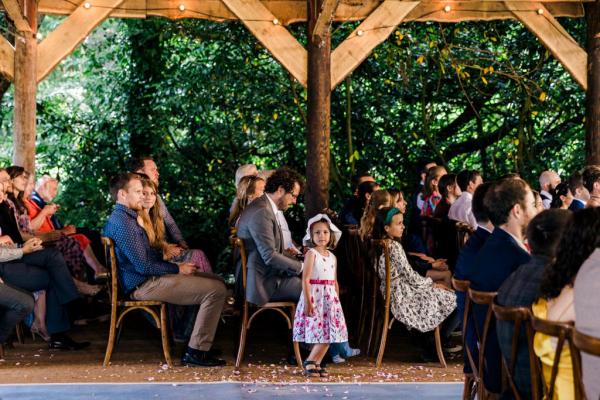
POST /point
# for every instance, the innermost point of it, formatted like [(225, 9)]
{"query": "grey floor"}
[(231, 391)]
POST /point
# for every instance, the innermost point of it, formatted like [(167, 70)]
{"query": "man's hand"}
[(32, 245), (186, 268), (5, 240)]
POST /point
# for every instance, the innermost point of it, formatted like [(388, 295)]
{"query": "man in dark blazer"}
[(273, 275), (465, 265), (511, 205)]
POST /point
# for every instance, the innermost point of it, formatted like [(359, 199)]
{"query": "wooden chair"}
[(521, 319), (471, 381), (589, 345), (563, 332), (463, 233), (483, 299), (120, 307), (247, 317), (387, 323)]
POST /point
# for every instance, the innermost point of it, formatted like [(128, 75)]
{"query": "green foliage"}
[(204, 97)]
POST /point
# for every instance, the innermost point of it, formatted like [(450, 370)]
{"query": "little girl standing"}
[(319, 317)]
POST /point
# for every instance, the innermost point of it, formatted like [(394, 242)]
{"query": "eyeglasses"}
[(294, 196)]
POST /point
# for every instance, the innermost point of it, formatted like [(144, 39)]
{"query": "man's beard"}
[(281, 205), (136, 206)]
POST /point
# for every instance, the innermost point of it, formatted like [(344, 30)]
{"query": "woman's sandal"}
[(322, 371), (311, 372)]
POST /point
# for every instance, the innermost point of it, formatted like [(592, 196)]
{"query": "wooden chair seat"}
[(121, 307), (387, 323), (286, 309)]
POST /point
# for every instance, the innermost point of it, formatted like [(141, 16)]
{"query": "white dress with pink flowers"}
[(327, 324)]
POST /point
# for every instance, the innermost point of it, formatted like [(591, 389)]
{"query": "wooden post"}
[(25, 90), (592, 138), (319, 114)]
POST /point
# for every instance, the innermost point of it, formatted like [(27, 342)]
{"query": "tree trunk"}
[(319, 114), (25, 91), (592, 140)]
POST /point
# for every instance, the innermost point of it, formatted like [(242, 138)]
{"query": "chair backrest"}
[(463, 232), (384, 246), (238, 244), (462, 286), (521, 319), (563, 332), (483, 299), (586, 343), (111, 260)]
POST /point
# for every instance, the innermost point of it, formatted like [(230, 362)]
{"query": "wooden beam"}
[(13, 9), (324, 19), (371, 32), (276, 38), (7, 59), (537, 18), (64, 39), (292, 11)]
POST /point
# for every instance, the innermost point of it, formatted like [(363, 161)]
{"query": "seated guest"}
[(539, 205), (68, 246), (548, 181), (587, 297), (42, 219), (379, 199), (273, 275), (353, 211), (460, 210), (416, 204), (591, 181), (147, 166), (350, 203), (15, 304), (510, 206), (449, 191), (153, 223), (417, 199), (431, 194), (144, 275), (522, 288), (417, 302), (242, 171), (580, 193), (556, 300), (32, 268), (561, 196), (249, 189), (465, 264)]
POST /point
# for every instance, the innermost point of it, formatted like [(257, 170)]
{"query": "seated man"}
[(145, 276), (548, 181), (580, 193), (511, 205), (591, 181), (147, 166), (32, 268), (272, 275), (522, 288), (465, 265), (461, 209)]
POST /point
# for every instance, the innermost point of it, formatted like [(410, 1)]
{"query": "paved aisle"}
[(232, 391)]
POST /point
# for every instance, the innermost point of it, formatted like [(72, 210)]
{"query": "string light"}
[(181, 7), (360, 32), (447, 9), (87, 5), (275, 21), (39, 36), (540, 11)]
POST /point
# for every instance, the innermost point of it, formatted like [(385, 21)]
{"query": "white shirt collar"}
[(545, 193), (519, 242), (484, 228), (273, 205)]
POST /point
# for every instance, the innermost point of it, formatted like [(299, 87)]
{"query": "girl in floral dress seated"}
[(319, 317)]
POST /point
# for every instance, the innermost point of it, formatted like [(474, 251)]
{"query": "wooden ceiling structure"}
[(316, 66)]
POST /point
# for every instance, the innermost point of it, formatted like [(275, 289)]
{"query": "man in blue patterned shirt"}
[(144, 275)]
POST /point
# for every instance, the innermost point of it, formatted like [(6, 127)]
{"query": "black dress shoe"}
[(201, 359), (64, 342)]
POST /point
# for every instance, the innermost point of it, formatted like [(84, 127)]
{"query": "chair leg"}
[(111, 336), (164, 334), (19, 331), (382, 343), (2, 352), (373, 312), (438, 347), (469, 390), (243, 331)]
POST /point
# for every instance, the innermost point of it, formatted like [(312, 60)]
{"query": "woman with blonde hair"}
[(379, 199), (249, 188), (151, 219)]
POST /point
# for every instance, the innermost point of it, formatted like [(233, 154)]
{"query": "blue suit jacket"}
[(499, 257), (576, 205), (465, 265)]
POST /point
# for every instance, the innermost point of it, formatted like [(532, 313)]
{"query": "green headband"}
[(390, 214)]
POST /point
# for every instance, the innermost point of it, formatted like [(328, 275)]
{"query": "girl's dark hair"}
[(379, 226), (562, 189), (545, 230), (15, 171), (363, 189), (578, 241), (445, 183)]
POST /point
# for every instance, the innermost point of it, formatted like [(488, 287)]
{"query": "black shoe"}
[(215, 352), (63, 342), (201, 359)]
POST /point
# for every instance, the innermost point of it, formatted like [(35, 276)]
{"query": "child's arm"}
[(309, 262), (337, 287)]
